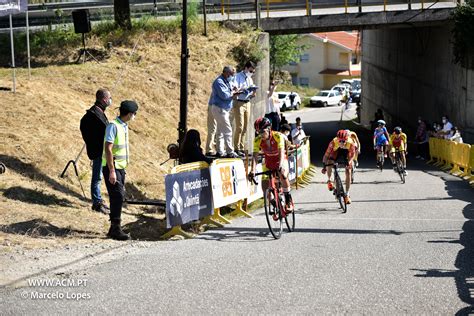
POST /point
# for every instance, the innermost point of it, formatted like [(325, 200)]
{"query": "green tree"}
[(284, 49), (463, 34)]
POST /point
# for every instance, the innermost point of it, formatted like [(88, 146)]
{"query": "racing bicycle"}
[(399, 165), (275, 205), (338, 191)]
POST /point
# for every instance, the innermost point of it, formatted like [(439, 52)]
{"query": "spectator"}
[(211, 133), (377, 116), (456, 135), (283, 119), (92, 126), (191, 150), (114, 165), (272, 111), (292, 97), (220, 102), (241, 107), (446, 130), (286, 131), (297, 133), (421, 139)]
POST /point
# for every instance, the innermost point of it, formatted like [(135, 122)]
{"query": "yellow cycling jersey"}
[(346, 145), (271, 149), (398, 140)]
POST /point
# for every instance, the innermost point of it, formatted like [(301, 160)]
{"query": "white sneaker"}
[(405, 172)]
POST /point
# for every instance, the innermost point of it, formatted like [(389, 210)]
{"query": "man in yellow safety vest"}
[(114, 161)]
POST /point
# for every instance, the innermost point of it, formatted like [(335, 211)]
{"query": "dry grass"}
[(39, 133)]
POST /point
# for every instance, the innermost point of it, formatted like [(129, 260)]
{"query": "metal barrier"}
[(229, 185), (456, 158)]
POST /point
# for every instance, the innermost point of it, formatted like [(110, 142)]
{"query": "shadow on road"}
[(464, 275)]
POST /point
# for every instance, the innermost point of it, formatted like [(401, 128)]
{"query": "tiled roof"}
[(345, 39)]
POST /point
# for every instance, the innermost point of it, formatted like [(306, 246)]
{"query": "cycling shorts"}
[(285, 169)]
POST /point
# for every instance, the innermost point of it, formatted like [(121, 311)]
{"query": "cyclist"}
[(381, 138), (398, 141), (340, 148), (272, 144), (355, 139)]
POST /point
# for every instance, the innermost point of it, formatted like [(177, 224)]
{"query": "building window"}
[(304, 82), (294, 79), (304, 58), (343, 58), (354, 59)]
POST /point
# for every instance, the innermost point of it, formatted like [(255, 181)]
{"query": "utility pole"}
[(183, 101)]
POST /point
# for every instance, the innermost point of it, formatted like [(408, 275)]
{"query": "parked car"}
[(340, 87), (325, 98), (285, 100), (354, 84), (355, 96)]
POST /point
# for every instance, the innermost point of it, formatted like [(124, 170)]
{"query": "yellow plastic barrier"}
[(470, 176), (433, 146), (461, 160), (449, 147)]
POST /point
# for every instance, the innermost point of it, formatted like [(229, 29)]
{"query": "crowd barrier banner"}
[(470, 176), (188, 197), (255, 191), (229, 181), (292, 167)]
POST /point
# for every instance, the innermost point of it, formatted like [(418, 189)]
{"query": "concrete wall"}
[(262, 80), (409, 73)]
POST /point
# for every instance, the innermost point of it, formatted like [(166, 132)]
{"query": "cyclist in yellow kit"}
[(398, 141), (272, 145)]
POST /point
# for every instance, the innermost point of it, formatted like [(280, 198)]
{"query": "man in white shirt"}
[(297, 133), (272, 110), (241, 107), (447, 127)]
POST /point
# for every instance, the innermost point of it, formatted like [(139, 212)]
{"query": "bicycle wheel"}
[(380, 160), (273, 214), (290, 220), (340, 192), (401, 170)]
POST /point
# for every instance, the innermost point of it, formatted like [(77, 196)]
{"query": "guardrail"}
[(198, 191), (456, 158)]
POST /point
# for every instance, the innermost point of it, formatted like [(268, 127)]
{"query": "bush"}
[(247, 50)]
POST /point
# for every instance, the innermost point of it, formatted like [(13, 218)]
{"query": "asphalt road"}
[(400, 249)]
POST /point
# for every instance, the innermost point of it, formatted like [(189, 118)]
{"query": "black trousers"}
[(116, 191), (275, 119)]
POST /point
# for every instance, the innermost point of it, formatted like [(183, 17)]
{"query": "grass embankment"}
[(40, 125)]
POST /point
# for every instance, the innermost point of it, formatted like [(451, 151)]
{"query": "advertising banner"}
[(229, 181), (8, 7), (188, 197), (299, 157), (255, 190), (292, 168), (305, 156)]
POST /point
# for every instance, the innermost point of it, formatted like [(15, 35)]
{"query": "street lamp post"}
[(183, 101)]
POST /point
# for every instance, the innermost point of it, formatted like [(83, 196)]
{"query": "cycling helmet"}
[(262, 123), (381, 122), (397, 130), (342, 134)]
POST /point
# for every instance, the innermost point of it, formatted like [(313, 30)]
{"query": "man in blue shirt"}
[(220, 102), (241, 109)]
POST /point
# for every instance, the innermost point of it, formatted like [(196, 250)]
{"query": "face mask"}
[(444, 121), (230, 78), (287, 133), (249, 74), (133, 117), (109, 102)]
